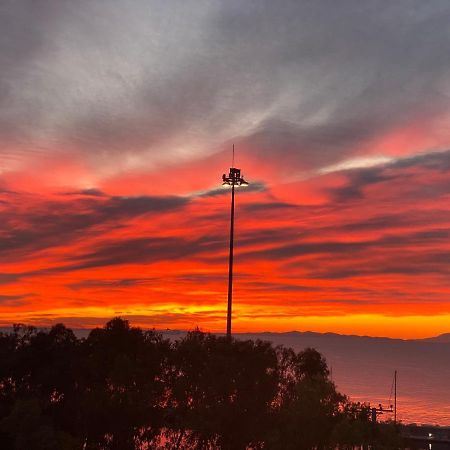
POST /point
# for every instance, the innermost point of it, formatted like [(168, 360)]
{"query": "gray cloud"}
[(86, 192), (141, 250), (13, 300), (433, 263), (437, 161), (343, 249), (255, 186), (394, 221), (304, 80), (150, 250), (54, 223), (402, 169), (266, 207), (110, 283)]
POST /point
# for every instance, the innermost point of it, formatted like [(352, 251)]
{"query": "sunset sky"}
[(117, 120)]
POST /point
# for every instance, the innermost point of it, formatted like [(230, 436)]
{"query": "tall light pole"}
[(233, 179)]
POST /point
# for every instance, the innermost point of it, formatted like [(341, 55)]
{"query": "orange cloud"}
[(360, 251)]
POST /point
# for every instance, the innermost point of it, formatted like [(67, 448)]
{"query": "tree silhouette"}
[(123, 388), (308, 405), (222, 390)]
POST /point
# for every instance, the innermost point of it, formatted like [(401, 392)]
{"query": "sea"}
[(363, 368)]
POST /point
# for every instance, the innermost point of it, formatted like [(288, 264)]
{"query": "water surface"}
[(363, 368)]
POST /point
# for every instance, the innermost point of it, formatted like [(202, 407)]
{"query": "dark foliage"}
[(123, 388)]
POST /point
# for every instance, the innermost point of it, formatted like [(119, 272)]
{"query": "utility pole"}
[(233, 179), (395, 397), (390, 408), (230, 265)]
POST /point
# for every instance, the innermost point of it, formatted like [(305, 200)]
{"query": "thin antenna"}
[(232, 163)]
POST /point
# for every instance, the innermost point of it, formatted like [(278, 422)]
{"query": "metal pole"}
[(230, 265), (395, 397)]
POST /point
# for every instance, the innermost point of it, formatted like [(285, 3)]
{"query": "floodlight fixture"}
[(234, 178)]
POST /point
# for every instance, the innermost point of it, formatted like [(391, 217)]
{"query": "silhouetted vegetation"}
[(125, 388)]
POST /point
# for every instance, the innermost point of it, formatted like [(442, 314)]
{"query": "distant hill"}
[(311, 336), (442, 338)]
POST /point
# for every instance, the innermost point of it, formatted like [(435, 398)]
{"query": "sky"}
[(117, 120)]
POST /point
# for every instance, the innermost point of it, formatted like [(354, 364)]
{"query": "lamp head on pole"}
[(234, 178)]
